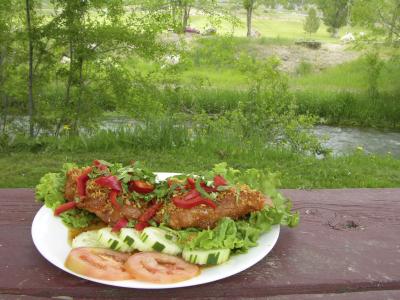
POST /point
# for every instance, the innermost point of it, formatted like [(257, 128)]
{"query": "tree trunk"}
[(185, 17), (5, 113), (335, 33), (68, 89), (393, 24), (79, 103), (30, 79), (249, 19)]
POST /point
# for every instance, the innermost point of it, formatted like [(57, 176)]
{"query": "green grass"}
[(351, 108), (296, 171), (351, 76), (286, 25)]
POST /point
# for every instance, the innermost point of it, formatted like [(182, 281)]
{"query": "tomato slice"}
[(160, 268), (140, 186), (98, 263)]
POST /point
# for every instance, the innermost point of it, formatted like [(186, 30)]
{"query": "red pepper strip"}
[(182, 203), (64, 207), (150, 212), (113, 199), (219, 181), (208, 189), (120, 224), (111, 182), (99, 165), (140, 186), (141, 225), (192, 194), (170, 182), (81, 182), (190, 183)]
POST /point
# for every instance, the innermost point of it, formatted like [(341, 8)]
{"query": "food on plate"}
[(98, 263), (160, 268), (204, 217)]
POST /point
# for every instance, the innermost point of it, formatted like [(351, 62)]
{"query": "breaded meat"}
[(230, 204)]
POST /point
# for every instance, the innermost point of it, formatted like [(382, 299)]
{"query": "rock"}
[(210, 31), (309, 44), (255, 33), (192, 30), (347, 38)]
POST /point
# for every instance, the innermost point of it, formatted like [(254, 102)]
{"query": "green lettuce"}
[(242, 234), (50, 191), (238, 235), (77, 218)]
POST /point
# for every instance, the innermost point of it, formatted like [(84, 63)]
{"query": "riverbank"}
[(357, 170)]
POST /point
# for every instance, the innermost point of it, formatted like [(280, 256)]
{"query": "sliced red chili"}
[(192, 194), (113, 199), (141, 225), (183, 203), (140, 186), (190, 183), (208, 189), (120, 224), (99, 165), (219, 181), (150, 212), (111, 182), (81, 181), (64, 207)]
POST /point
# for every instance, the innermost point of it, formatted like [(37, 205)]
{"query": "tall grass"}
[(351, 109)]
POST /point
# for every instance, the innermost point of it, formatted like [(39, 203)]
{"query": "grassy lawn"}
[(286, 25), (296, 171), (352, 76)]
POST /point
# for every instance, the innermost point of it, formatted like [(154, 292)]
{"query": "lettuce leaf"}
[(50, 191), (77, 218), (240, 235)]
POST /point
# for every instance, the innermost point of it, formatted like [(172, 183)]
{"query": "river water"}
[(341, 140), (344, 140)]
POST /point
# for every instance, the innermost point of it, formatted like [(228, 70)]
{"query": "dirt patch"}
[(292, 55)]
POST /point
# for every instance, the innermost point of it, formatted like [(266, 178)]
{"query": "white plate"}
[(50, 237)]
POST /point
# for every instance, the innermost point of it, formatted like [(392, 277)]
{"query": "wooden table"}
[(346, 247)]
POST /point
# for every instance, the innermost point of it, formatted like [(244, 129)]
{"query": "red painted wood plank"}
[(348, 241), (371, 295)]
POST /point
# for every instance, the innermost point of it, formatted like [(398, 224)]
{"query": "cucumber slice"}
[(111, 240), (206, 257), (87, 239), (131, 238), (160, 240)]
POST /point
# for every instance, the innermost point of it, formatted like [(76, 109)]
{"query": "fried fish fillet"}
[(97, 200), (230, 204)]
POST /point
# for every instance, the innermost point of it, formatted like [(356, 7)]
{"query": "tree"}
[(92, 36), (12, 86), (382, 17), (335, 14), (251, 5), (180, 10), (28, 8), (312, 22)]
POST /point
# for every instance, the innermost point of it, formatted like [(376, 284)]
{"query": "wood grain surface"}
[(346, 247)]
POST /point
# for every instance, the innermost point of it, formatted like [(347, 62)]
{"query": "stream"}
[(341, 140)]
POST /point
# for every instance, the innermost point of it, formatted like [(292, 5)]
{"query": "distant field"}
[(286, 25), (350, 76)]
